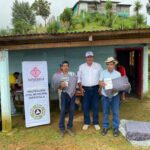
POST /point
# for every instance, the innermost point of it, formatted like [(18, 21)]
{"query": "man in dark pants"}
[(66, 101), (88, 79), (110, 99), (66, 82)]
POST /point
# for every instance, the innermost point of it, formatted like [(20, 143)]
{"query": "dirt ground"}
[(48, 138)]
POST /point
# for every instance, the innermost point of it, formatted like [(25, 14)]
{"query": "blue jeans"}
[(114, 104), (67, 104), (91, 100)]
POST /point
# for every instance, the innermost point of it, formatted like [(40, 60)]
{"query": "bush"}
[(88, 18), (4, 32), (53, 27), (22, 27)]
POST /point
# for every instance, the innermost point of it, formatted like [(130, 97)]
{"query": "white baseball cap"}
[(89, 53)]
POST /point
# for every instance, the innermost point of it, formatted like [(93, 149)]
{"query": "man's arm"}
[(79, 81)]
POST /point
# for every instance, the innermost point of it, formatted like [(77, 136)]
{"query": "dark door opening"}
[(132, 60)]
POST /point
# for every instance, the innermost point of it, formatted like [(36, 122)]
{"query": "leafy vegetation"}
[(109, 13), (66, 18), (42, 8), (148, 7), (53, 27), (24, 19), (139, 17)]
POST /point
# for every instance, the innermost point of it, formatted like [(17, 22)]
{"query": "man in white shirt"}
[(88, 80)]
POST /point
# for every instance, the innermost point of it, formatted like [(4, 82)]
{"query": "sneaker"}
[(97, 127), (85, 127), (62, 133), (70, 132), (116, 133), (104, 131)]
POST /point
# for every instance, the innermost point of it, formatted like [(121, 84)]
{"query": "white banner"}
[(36, 93)]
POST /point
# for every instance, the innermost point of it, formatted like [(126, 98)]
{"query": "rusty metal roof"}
[(77, 32), (103, 35)]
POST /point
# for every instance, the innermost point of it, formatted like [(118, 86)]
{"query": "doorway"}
[(132, 60)]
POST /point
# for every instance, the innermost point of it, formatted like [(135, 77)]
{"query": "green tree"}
[(139, 18), (42, 8), (148, 7), (66, 17), (21, 27), (137, 7), (23, 17), (109, 13)]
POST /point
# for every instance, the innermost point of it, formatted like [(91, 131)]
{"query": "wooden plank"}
[(78, 44)]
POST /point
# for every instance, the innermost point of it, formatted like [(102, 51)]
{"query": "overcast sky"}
[(57, 7)]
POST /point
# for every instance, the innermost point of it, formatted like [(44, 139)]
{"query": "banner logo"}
[(37, 112), (35, 72)]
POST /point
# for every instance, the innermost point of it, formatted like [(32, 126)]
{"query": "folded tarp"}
[(71, 79), (136, 132), (119, 84)]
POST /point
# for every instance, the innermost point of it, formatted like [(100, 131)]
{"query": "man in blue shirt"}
[(110, 99)]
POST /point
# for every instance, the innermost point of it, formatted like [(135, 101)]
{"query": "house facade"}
[(130, 47), (99, 6)]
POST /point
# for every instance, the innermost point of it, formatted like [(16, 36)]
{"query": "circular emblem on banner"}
[(37, 111)]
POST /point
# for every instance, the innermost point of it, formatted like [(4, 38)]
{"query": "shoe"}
[(104, 131), (70, 132), (62, 133), (116, 133), (97, 127), (85, 127)]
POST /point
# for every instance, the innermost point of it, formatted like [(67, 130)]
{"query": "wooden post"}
[(5, 91)]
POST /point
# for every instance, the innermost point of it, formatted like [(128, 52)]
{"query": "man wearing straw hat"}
[(110, 99)]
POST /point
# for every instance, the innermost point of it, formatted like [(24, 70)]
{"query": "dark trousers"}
[(114, 104), (91, 100), (67, 104)]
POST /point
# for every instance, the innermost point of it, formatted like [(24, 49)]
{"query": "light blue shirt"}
[(106, 74)]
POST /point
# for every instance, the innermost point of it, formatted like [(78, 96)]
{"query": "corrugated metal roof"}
[(68, 39), (76, 32)]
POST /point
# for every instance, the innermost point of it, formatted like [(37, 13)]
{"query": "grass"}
[(47, 137), (88, 27)]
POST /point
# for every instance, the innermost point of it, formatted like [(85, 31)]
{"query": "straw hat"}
[(111, 59)]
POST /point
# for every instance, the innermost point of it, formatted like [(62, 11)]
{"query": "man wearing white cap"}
[(110, 99), (88, 80)]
